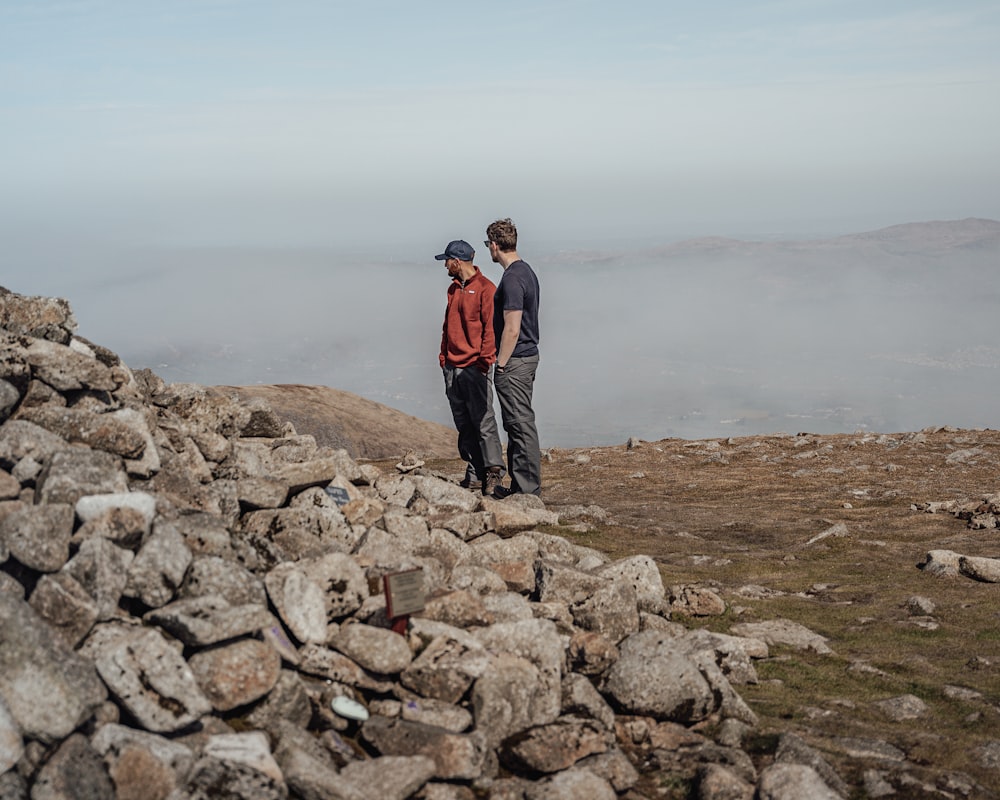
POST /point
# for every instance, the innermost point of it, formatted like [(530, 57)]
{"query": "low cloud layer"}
[(698, 339)]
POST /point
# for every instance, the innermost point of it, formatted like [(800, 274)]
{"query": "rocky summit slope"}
[(191, 605)]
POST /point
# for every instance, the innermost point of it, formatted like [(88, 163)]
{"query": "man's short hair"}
[(504, 233)]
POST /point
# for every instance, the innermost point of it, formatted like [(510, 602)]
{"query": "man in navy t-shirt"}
[(515, 325)]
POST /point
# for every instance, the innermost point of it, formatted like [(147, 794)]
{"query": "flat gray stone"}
[(214, 575), (20, 440), (39, 536), (389, 777), (66, 370), (66, 606), (101, 568), (571, 784), (902, 708), (456, 756), (299, 601), (873, 749), (446, 668), (980, 569), (650, 677), (74, 771), (793, 782), (93, 506), (83, 426), (112, 741), (152, 680), (48, 689), (201, 621), (159, 567), (78, 471), (783, 632), (378, 650), (236, 673)]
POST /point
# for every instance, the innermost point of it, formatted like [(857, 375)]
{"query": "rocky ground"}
[(830, 532), (192, 606)]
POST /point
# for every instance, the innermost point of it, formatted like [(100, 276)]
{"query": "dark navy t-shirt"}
[(518, 291)]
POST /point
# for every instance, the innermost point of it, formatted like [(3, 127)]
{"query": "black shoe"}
[(492, 486)]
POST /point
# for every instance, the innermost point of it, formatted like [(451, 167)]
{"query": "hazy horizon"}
[(688, 341)]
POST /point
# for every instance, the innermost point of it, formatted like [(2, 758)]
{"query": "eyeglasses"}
[(487, 242)]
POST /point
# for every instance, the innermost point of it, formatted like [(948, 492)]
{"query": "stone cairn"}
[(188, 611)]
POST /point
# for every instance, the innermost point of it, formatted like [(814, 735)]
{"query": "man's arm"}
[(508, 340)]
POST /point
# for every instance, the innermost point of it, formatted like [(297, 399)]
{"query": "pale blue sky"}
[(250, 122)]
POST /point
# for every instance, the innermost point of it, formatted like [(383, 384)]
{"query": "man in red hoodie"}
[(468, 352)]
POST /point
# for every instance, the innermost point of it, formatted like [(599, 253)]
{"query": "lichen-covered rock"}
[(159, 567), (48, 690), (74, 770), (980, 568), (650, 677), (152, 680), (100, 567), (376, 649), (66, 606), (556, 746), (793, 782), (455, 755), (39, 536), (785, 632), (77, 471), (209, 619), (299, 601), (236, 673), (41, 317)]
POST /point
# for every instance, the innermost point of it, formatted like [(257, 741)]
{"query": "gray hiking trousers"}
[(514, 385)]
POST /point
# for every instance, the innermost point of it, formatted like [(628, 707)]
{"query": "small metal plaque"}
[(404, 592), (339, 495)]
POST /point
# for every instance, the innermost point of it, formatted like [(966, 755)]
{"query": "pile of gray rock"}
[(980, 514), (191, 606)]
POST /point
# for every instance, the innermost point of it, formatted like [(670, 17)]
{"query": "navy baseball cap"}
[(459, 249)]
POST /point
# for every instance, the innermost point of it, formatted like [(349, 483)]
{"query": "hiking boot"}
[(468, 483), (491, 484)]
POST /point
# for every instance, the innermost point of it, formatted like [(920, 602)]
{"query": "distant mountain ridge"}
[(923, 237), (972, 233)]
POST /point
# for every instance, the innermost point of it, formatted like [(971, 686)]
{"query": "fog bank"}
[(703, 338)]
